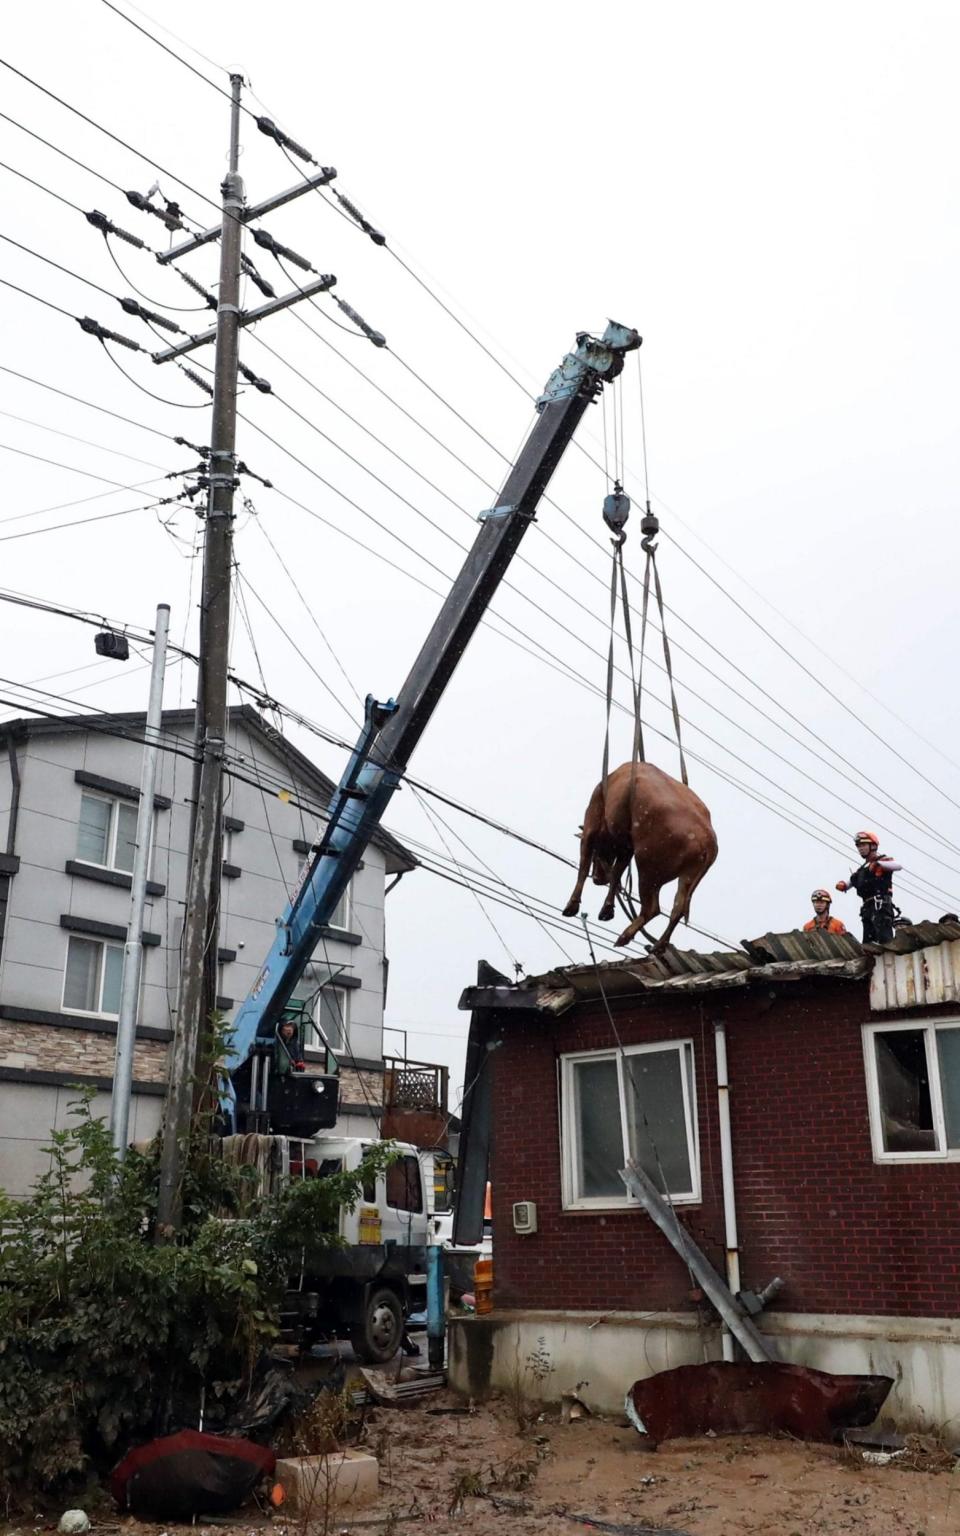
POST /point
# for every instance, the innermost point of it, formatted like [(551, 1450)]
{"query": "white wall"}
[(608, 1352)]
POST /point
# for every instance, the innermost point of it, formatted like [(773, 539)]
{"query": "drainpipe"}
[(14, 815), (726, 1166)]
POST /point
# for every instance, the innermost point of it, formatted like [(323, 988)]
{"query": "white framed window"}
[(639, 1103), (913, 1090), (341, 913), (107, 833), (328, 1007), (91, 977)]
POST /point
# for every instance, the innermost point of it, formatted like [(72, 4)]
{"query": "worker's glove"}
[(842, 885), (299, 1066)]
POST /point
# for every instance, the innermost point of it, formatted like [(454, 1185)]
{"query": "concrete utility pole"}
[(203, 884), (133, 948), (200, 935)]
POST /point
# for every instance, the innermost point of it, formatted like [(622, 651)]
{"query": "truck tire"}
[(376, 1336)]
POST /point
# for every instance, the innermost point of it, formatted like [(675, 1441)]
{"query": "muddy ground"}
[(453, 1472), (470, 1474)]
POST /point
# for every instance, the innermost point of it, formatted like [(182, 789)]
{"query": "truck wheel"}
[(376, 1337)]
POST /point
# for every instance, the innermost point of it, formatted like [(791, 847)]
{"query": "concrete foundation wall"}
[(607, 1353)]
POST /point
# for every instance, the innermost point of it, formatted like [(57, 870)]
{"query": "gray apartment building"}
[(68, 810)]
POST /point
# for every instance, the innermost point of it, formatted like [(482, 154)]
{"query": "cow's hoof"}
[(604, 915), (623, 939), (571, 909)]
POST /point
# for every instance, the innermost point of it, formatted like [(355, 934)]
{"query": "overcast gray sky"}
[(767, 193)]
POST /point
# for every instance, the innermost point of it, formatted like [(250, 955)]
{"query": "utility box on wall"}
[(524, 1217)]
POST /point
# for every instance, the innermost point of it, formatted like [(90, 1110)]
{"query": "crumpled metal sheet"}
[(742, 1398), (917, 978)]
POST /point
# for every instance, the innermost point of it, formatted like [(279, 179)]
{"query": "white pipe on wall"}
[(731, 1241)]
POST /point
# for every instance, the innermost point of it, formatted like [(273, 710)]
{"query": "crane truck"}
[(376, 1278)]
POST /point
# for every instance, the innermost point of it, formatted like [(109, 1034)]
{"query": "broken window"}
[(636, 1104), (914, 1090)]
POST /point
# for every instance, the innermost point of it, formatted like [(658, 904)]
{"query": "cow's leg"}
[(617, 868), (649, 909), (681, 907), (586, 857)]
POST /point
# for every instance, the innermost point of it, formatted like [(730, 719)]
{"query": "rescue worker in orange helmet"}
[(821, 918), (873, 883)]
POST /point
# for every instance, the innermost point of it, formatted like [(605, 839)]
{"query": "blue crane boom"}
[(390, 733)]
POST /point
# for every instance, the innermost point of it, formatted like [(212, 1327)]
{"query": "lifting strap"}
[(616, 509)]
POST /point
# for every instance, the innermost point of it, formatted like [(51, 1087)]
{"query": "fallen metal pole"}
[(755, 1346)]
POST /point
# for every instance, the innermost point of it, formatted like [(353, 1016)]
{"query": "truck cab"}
[(367, 1289)]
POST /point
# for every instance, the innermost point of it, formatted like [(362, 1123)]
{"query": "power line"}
[(36, 297), (580, 640), (102, 517), (73, 438), (446, 308), (40, 186), (912, 819), (91, 404), (58, 151), (106, 131), (810, 673), (156, 41)]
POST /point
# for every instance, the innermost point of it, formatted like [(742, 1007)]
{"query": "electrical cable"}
[(178, 309), (309, 611), (92, 405), (57, 150), (106, 131), (590, 612), (581, 641), (808, 672), (547, 659), (680, 648), (156, 41), (487, 441), (81, 501), (72, 437), (37, 299), (24, 177), (179, 405)]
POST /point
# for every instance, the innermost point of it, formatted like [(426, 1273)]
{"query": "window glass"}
[(341, 913), (112, 974), (93, 833), (403, 1185), (948, 1043), (330, 1011), (82, 980), (126, 836), (906, 1110), (599, 1132), (657, 1119)]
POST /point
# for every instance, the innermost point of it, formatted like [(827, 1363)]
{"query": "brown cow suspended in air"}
[(659, 822)]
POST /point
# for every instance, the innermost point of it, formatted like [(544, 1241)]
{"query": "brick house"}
[(844, 1095), (68, 810)]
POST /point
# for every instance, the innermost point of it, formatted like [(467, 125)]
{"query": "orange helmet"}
[(822, 896), (867, 837)]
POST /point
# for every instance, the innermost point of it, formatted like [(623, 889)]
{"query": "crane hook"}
[(616, 510)]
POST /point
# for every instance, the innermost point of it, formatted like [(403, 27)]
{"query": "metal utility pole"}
[(133, 948), (203, 885)]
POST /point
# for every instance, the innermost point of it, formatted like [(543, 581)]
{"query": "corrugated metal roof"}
[(918, 978), (922, 965)]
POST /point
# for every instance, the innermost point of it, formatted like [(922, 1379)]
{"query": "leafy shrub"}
[(102, 1332)]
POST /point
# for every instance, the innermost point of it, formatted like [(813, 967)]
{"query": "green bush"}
[(102, 1331)]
